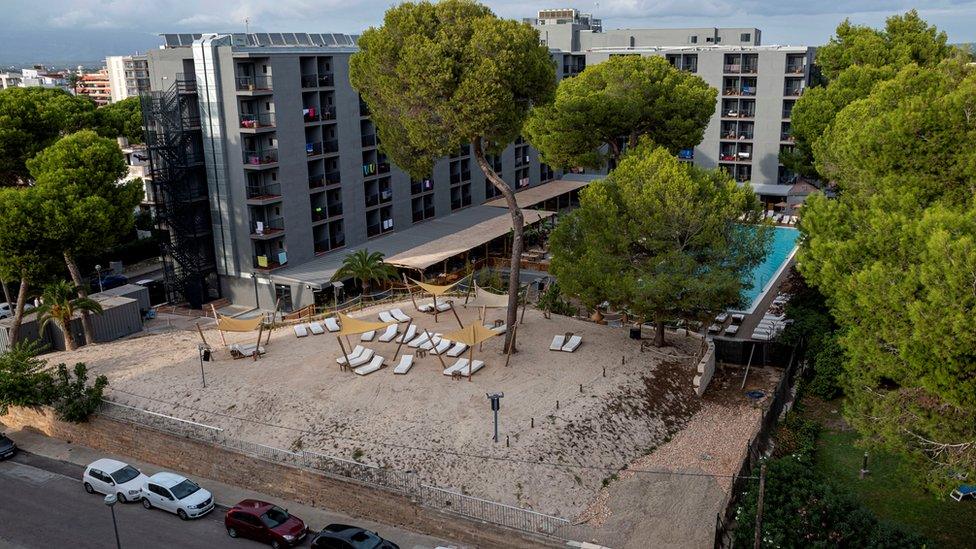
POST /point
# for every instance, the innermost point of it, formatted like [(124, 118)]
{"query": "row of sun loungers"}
[(561, 343), (463, 367), (302, 330), (769, 327), (394, 315), (429, 307)]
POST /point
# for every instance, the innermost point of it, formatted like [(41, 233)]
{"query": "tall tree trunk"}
[(19, 310), (659, 334), (6, 291), (86, 322), (518, 223)]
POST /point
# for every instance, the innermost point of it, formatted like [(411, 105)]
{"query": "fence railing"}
[(400, 482)]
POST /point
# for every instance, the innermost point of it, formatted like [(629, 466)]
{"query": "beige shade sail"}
[(227, 324), (433, 289), (353, 326), (484, 298), (471, 335)]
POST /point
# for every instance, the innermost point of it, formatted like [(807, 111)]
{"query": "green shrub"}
[(490, 279), (23, 381), (74, 400), (828, 363), (802, 509), (551, 300), (796, 436)]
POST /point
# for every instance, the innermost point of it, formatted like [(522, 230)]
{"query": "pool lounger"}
[(411, 332), (368, 336), (331, 324), (385, 316), (316, 328), (301, 330), (573, 344), (457, 349), (399, 315), (456, 367), (374, 365), (557, 343), (389, 334), (365, 357), (473, 369), (406, 362), (352, 354)]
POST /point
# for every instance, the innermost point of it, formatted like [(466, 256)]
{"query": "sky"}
[(72, 31)]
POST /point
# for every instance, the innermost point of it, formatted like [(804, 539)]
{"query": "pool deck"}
[(752, 319)]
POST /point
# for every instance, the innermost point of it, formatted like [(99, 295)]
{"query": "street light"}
[(98, 272), (110, 500), (495, 399)]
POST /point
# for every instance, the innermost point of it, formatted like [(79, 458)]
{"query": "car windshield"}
[(184, 489), (276, 516), (125, 474), (365, 540)]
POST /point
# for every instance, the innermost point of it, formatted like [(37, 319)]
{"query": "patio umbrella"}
[(435, 290), (471, 335), (353, 326)]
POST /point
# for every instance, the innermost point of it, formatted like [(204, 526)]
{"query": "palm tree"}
[(60, 302), (365, 267)]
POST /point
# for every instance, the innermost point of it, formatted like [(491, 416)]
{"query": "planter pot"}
[(597, 316)]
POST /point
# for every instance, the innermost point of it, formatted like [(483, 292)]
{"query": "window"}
[(693, 39), (274, 517), (185, 488), (709, 39), (745, 37), (125, 474)]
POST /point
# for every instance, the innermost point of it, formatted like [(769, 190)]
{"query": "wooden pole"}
[(342, 367), (456, 315), (217, 320), (759, 506), (525, 303), (512, 345), (257, 348), (401, 338), (470, 361), (439, 357), (201, 334), (435, 307)]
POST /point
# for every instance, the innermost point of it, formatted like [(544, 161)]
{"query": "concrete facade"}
[(128, 75)]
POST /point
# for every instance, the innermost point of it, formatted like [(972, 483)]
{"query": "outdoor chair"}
[(425, 307), (385, 316), (441, 307), (498, 329), (331, 324), (714, 328), (406, 362), (441, 347), (457, 349), (557, 343), (352, 354), (243, 350), (732, 329), (368, 336), (573, 343), (373, 365), (316, 328), (363, 358), (431, 343), (472, 369), (456, 367), (721, 318), (411, 331), (418, 341), (300, 330), (390, 333), (964, 491), (737, 318), (399, 315)]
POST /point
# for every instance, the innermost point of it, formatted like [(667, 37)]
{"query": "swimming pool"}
[(784, 245)]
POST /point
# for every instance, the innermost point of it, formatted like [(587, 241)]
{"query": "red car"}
[(264, 522)]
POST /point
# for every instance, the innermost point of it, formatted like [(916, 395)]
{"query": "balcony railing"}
[(327, 244), (321, 213), (744, 68), (323, 80), (417, 187), (253, 83), (268, 227), (260, 157), (266, 262), (315, 114), (186, 83), (740, 113), (332, 178), (737, 135), (253, 121), (793, 91), (422, 214), (787, 137), (369, 168), (369, 140), (314, 148), (265, 191), (795, 69), (316, 181)]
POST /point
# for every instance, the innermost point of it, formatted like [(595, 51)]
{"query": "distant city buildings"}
[(38, 76), (128, 75), (96, 86)]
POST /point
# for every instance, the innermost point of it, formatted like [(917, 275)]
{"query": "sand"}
[(425, 422)]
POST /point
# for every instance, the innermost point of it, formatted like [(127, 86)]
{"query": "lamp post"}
[(495, 399), (98, 273), (110, 500), (204, 351)]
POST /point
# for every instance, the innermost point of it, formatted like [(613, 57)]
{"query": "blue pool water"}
[(784, 241)]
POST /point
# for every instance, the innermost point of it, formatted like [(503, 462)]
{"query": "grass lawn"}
[(886, 492)]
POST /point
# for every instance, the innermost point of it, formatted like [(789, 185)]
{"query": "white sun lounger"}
[(501, 329), (418, 341), (456, 367), (331, 324), (557, 343), (431, 343), (363, 358), (425, 307), (406, 362), (457, 349), (472, 369), (385, 316), (301, 330), (573, 344), (352, 354), (721, 318), (390, 333), (316, 328), (443, 306), (373, 365), (245, 349), (715, 328), (399, 315), (441, 347), (368, 336), (737, 318), (732, 329), (411, 331)]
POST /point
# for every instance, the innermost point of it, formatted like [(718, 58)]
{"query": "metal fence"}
[(404, 483)]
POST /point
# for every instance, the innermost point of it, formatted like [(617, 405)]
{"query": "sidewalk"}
[(224, 494)]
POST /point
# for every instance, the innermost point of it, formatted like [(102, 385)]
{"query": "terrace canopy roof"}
[(531, 196)]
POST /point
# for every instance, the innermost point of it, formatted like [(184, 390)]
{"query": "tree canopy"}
[(661, 238), (33, 118), (366, 267), (121, 119), (625, 97)]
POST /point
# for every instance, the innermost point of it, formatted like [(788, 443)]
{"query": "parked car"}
[(108, 476), (264, 522), (8, 309), (176, 494), (343, 536), (110, 281), (7, 447)]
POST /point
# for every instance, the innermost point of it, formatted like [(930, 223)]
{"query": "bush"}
[(802, 509), (74, 399), (551, 300), (23, 381), (828, 364), (797, 437), (490, 279)]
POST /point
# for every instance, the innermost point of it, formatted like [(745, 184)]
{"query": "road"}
[(43, 505)]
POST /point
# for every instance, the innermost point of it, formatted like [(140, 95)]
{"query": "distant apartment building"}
[(10, 80), (96, 86), (128, 75), (266, 168), (758, 86), (39, 76)]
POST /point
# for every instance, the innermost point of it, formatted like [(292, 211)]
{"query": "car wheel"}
[(146, 503), (182, 514), (89, 489), (232, 532), (121, 497), (276, 544)]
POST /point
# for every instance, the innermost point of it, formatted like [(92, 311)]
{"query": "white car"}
[(108, 476), (176, 494)]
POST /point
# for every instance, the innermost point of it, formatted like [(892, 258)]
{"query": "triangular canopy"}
[(353, 326), (471, 335), (228, 324), (484, 298), (433, 289)]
